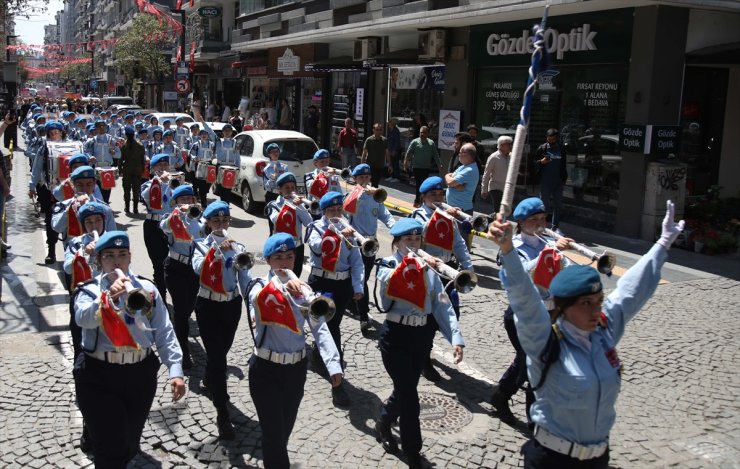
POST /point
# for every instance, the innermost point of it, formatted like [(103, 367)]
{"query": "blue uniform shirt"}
[(87, 305), (468, 175), (349, 258), (459, 248), (202, 150), (166, 196), (233, 278), (273, 209), (365, 221), (74, 245), (116, 130), (182, 137), (104, 149), (58, 192), (225, 148), (272, 171), (59, 217), (176, 159), (178, 246), (334, 185), (576, 401)]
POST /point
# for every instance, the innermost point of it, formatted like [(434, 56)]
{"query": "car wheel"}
[(248, 203)]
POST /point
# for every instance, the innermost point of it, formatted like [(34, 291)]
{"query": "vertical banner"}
[(449, 125), (359, 103)]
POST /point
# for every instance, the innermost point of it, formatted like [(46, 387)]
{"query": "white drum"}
[(226, 176)]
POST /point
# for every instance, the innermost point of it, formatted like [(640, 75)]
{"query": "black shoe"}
[(85, 440), (430, 373), (50, 259), (414, 460), (225, 428), (500, 402), (384, 435), (364, 326), (339, 397), (136, 209), (126, 209), (187, 362)]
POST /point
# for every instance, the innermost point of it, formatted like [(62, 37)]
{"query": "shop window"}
[(416, 91)]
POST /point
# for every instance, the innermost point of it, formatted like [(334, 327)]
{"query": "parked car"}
[(217, 127), (594, 167), (109, 101), (125, 107), (161, 116), (296, 151)]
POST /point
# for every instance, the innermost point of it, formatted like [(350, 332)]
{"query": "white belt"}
[(155, 216), (209, 295), (280, 358), (407, 320), (122, 358), (330, 275), (179, 257), (568, 448)]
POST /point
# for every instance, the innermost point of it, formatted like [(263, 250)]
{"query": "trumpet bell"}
[(379, 195), (194, 211), (322, 306), (606, 263), (466, 281), (480, 223), (138, 301), (244, 261), (370, 247)]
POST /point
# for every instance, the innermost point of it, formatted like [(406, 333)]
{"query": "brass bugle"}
[(398, 208), (194, 211), (136, 299), (368, 246), (176, 178), (345, 173), (478, 222), (243, 260), (311, 205), (318, 305), (379, 194), (465, 280), (605, 262)]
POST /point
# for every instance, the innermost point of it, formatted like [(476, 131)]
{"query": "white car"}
[(161, 116), (217, 127), (296, 151)]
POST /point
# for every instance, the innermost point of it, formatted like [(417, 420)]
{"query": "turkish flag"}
[(81, 271), (108, 178), (145, 174), (155, 195), (548, 266), (351, 201), (331, 244), (211, 174), (179, 231), (74, 227), (286, 221), (274, 308), (439, 231), (63, 161), (68, 189), (212, 272), (229, 179), (319, 186), (407, 283), (114, 327)]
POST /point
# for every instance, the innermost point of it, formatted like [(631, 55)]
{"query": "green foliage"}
[(136, 48), (24, 8), (78, 72)]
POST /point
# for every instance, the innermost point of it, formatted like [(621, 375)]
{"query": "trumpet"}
[(311, 205), (243, 260), (605, 262), (464, 280), (136, 299), (193, 210), (379, 194), (345, 173), (318, 305), (368, 246), (478, 222), (176, 178)]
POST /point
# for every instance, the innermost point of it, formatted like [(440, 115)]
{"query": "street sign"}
[(209, 12), (182, 85)]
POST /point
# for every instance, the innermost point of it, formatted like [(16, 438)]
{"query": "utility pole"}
[(183, 20)]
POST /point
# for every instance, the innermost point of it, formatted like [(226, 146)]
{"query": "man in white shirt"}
[(494, 176)]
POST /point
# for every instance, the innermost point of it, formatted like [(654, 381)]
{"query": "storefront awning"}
[(396, 58), (250, 62), (335, 64), (719, 54)]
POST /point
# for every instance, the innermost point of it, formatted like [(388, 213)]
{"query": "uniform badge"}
[(595, 287), (375, 212), (283, 247), (118, 242)]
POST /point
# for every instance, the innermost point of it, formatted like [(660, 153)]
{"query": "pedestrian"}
[(311, 123), (236, 120), (393, 138), (407, 334), (375, 154), (420, 156), (286, 115), (347, 143), (132, 163), (574, 409), (480, 156), (461, 138), (277, 368), (287, 214), (420, 121), (211, 112), (494, 176), (552, 172), (218, 307), (462, 183), (116, 376)]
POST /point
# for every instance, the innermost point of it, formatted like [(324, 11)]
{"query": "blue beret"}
[(181, 191), (321, 154), (78, 158), (114, 116), (155, 117), (195, 126), (166, 121), (279, 242), (65, 113), (143, 131), (158, 158), (272, 146), (157, 130), (90, 127), (204, 131), (129, 130), (112, 239), (576, 280), (54, 125), (103, 123), (168, 133), (529, 207), (90, 208), (83, 172), (35, 106), (36, 116), (406, 226), (128, 116), (433, 183), (96, 109), (179, 119), (361, 170), (230, 127), (137, 113), (285, 178), (216, 209), (330, 199), (148, 116)]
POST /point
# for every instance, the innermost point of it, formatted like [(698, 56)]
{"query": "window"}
[(245, 143), (295, 150)]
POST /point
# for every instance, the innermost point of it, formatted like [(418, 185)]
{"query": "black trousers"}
[(516, 374), (224, 193), (157, 247), (341, 292), (419, 176), (131, 187), (182, 282), (46, 202), (404, 350), (537, 456), (217, 322), (202, 187), (74, 329), (115, 402), (270, 383), (104, 192), (300, 253), (376, 174), (362, 306)]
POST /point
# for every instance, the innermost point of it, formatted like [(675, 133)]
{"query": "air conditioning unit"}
[(432, 44), (366, 48)]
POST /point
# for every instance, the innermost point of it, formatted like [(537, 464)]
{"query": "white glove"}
[(671, 229)]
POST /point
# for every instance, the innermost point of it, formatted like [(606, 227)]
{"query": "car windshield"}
[(172, 117), (295, 150)]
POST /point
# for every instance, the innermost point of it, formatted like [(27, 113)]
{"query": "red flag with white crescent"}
[(145, 174), (212, 272), (351, 201), (178, 228), (63, 161), (155, 195), (68, 189), (407, 283), (229, 179), (114, 327), (108, 179), (548, 266), (287, 221), (81, 271), (211, 174), (439, 231), (331, 244), (74, 227), (319, 186), (273, 308)]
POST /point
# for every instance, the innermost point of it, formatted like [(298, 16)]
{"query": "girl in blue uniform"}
[(577, 389), (285, 218)]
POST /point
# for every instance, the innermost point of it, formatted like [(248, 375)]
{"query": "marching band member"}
[(181, 227), (364, 214), (270, 175), (287, 214), (156, 194), (226, 154), (145, 142), (154, 126), (336, 267), (104, 151), (155, 133), (412, 294), (177, 162), (66, 189), (116, 376), (218, 306), (115, 128), (277, 368), (182, 134), (321, 180), (132, 165), (201, 151), (80, 132), (441, 238), (574, 409)]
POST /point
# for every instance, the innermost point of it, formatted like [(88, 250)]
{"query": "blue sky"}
[(32, 31)]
